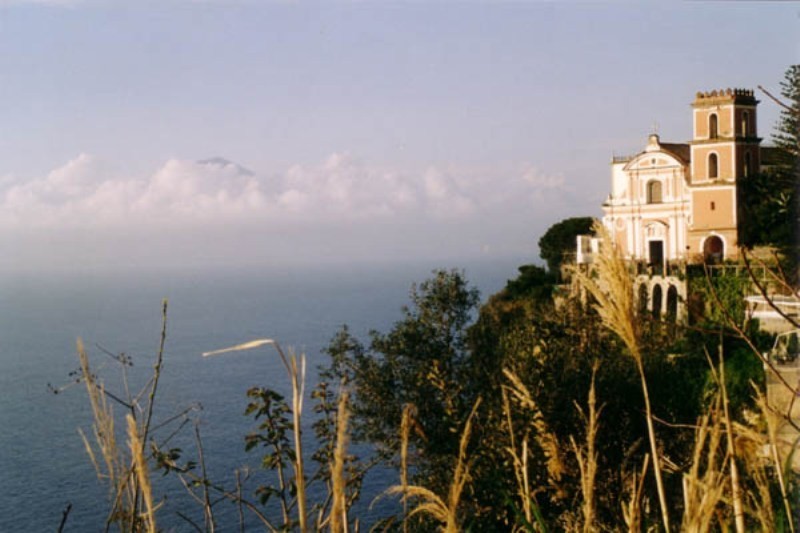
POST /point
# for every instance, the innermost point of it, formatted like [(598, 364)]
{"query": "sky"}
[(204, 133)]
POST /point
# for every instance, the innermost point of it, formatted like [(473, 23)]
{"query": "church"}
[(674, 204)]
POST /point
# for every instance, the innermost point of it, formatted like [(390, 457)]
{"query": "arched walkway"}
[(672, 303), (657, 299), (643, 298)]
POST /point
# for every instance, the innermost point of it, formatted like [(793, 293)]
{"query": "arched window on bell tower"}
[(713, 166), (713, 130), (745, 124)]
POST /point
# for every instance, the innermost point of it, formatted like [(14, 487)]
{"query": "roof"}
[(681, 151)]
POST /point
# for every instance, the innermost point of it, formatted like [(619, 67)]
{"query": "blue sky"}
[(354, 131)]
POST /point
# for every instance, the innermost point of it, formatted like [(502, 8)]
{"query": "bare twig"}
[(762, 289), (208, 512), (239, 509), (765, 360), (64, 516), (156, 372), (777, 100)]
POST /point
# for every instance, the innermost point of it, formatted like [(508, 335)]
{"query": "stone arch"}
[(713, 126), (713, 249), (672, 303), (657, 298), (643, 298)]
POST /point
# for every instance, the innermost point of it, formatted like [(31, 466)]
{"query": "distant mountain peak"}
[(222, 162)]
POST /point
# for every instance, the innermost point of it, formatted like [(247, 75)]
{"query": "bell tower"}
[(724, 149), (725, 142)]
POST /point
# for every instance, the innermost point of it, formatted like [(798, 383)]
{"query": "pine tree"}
[(787, 130), (787, 172)]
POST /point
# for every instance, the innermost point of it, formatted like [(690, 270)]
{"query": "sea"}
[(44, 467)]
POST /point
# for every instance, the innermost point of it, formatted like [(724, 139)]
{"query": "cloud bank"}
[(82, 193), (216, 199)]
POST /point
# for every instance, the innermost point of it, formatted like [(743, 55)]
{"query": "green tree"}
[(560, 238), (787, 131), (787, 171), (533, 281), (420, 361), (438, 360), (769, 199)]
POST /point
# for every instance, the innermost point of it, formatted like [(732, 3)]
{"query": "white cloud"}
[(445, 196), (199, 191), (341, 203), (542, 182), (86, 191)]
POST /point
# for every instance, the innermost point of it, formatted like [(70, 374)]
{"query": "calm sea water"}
[(43, 465)]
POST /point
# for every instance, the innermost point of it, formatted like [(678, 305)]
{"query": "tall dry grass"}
[(704, 485), (714, 489), (443, 510), (586, 454), (296, 372), (338, 514), (142, 474), (632, 502), (612, 291), (127, 474), (405, 433), (545, 439)]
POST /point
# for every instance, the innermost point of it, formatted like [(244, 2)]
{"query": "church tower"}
[(724, 149)]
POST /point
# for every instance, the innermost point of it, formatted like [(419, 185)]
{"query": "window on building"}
[(713, 166), (654, 192), (713, 206), (712, 126), (745, 124)]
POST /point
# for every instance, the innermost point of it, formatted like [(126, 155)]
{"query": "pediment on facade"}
[(652, 161)]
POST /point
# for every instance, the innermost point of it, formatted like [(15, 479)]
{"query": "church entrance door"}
[(657, 256)]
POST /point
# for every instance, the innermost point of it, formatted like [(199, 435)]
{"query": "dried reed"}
[(141, 472), (613, 293), (519, 460), (338, 516), (704, 485), (546, 439), (296, 372), (405, 430), (587, 457), (443, 511), (632, 509)]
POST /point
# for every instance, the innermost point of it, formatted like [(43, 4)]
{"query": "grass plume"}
[(338, 516), (444, 511), (587, 457), (142, 474), (612, 290)]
